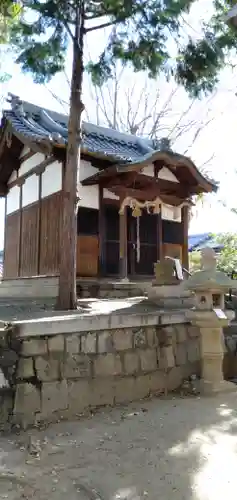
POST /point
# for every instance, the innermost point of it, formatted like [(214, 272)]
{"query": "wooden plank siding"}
[(87, 255), (11, 252), (29, 241), (50, 234), (36, 251)]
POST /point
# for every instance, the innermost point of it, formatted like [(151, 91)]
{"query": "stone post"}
[(209, 314)]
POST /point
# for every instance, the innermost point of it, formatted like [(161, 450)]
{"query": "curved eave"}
[(175, 160)]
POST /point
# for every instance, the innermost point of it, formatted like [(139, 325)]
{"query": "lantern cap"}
[(209, 278)]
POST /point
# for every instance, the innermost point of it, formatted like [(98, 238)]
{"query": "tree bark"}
[(67, 298)]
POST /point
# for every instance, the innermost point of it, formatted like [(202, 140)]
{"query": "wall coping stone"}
[(76, 323)]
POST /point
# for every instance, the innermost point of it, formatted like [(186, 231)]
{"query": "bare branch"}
[(62, 102), (197, 133), (201, 167), (139, 109), (99, 26), (185, 112)]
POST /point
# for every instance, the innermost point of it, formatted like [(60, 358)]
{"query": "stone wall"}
[(63, 375), (36, 288)]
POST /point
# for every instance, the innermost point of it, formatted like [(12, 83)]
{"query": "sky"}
[(216, 142)]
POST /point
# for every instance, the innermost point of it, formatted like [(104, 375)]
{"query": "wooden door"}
[(87, 255), (87, 242), (111, 243), (142, 244)]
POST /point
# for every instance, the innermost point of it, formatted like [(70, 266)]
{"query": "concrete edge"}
[(88, 323)]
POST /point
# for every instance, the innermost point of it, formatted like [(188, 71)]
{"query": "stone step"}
[(174, 302), (169, 296), (108, 290)]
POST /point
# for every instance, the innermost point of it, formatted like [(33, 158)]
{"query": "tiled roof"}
[(40, 124), (199, 241)]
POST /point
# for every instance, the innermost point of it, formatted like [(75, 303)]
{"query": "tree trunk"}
[(67, 267)]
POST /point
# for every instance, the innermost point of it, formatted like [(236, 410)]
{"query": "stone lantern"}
[(209, 314)]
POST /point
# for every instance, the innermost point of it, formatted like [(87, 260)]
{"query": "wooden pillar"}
[(185, 223), (123, 244), (101, 232), (159, 236), (21, 182), (39, 223), (5, 225)]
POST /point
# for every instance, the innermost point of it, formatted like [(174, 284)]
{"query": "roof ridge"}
[(88, 127)]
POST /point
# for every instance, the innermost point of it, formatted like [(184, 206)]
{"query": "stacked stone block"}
[(65, 375)]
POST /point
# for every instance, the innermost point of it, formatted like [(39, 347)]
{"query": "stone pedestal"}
[(209, 314), (211, 349)]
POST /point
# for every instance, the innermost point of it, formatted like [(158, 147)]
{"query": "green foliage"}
[(194, 261), (9, 16), (139, 35), (201, 60), (227, 259)]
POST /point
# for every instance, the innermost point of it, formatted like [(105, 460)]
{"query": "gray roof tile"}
[(38, 124)]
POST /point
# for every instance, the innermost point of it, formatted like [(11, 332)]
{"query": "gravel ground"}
[(158, 449)]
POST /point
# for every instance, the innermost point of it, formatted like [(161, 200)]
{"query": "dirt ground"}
[(158, 449)]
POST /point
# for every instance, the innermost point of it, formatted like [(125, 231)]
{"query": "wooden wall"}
[(32, 239), (11, 247), (50, 234), (33, 236), (28, 257)]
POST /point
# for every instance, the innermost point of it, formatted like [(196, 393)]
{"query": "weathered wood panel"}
[(50, 234), (12, 238), (29, 241), (111, 240), (185, 224), (172, 250), (172, 232), (87, 255)]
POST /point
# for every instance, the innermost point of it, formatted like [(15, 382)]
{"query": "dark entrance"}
[(111, 241), (142, 243), (139, 262)]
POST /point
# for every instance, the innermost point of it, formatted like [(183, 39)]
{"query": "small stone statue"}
[(164, 273), (208, 259)]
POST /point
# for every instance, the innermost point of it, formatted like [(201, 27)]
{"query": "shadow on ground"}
[(159, 449)]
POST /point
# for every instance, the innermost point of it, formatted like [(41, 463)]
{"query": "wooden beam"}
[(159, 237), (185, 223), (39, 215), (147, 195), (44, 147), (133, 179), (121, 179), (5, 227), (20, 234), (123, 244), (3, 138), (102, 246), (35, 170), (3, 190), (122, 191), (27, 156), (112, 201)]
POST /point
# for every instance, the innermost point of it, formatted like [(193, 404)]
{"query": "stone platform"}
[(62, 365), (42, 287)]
